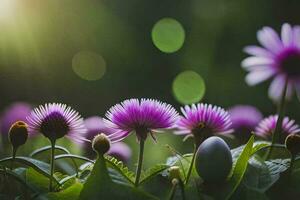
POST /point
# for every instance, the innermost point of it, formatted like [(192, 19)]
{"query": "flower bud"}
[(101, 143), (18, 134), (292, 143), (174, 173)]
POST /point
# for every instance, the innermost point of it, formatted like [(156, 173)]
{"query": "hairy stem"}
[(140, 163)]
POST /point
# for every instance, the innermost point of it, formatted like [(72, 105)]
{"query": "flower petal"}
[(257, 51), (269, 39), (286, 34), (297, 36), (258, 76), (276, 88), (256, 61)]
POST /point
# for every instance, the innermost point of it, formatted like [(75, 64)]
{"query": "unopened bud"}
[(101, 143), (292, 143), (174, 172), (18, 134)]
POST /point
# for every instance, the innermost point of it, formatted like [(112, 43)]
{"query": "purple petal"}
[(258, 62), (286, 34), (258, 76), (277, 86), (297, 36), (258, 51), (269, 39)]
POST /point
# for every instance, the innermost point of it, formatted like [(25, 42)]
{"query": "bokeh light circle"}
[(188, 87), (89, 65), (168, 35)]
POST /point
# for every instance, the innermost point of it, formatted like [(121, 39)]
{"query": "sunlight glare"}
[(7, 8)]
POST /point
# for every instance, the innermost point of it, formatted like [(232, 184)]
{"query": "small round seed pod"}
[(292, 143), (174, 173), (18, 134), (101, 143)]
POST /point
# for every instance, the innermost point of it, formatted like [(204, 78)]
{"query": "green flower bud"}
[(292, 143), (174, 173), (18, 134), (101, 143)]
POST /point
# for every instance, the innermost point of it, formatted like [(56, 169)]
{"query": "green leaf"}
[(17, 177), (39, 166), (153, 171), (38, 181), (121, 168), (106, 188), (47, 148), (72, 156), (70, 193), (238, 170), (183, 162), (260, 176)]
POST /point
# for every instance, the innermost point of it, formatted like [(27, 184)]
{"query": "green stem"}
[(173, 190), (140, 163), (278, 128), (52, 165), (293, 157), (181, 185), (191, 166), (14, 153)]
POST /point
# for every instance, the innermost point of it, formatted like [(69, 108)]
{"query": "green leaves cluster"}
[(252, 177)]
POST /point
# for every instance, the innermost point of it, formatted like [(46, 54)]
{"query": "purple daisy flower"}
[(244, 117), (121, 151), (15, 112), (141, 116), (267, 126), (55, 120), (96, 125), (203, 120), (278, 58)]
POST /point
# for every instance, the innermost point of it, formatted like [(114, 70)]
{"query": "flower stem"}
[(140, 163), (293, 157), (173, 189), (278, 128), (191, 166), (14, 152), (181, 185), (52, 165)]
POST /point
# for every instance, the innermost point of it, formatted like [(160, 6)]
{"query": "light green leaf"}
[(153, 171), (106, 188), (121, 168), (238, 171), (70, 193)]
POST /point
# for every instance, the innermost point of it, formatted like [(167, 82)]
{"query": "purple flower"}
[(55, 120), (95, 125), (140, 116), (267, 126), (203, 120), (244, 117), (278, 58), (121, 151), (15, 112)]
